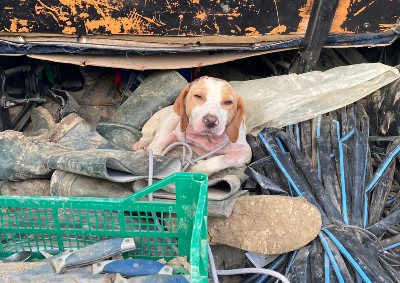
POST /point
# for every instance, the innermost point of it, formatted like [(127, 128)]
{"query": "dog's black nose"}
[(210, 121)]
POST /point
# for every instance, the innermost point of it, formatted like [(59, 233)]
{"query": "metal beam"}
[(321, 18)]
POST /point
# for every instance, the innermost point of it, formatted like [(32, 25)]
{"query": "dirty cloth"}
[(283, 100), (216, 208), (28, 158), (222, 184), (224, 188)]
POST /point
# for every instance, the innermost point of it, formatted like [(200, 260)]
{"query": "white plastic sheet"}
[(284, 100)]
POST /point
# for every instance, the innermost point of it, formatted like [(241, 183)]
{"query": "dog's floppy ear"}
[(180, 108), (232, 129)]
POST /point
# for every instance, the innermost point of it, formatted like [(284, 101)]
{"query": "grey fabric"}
[(221, 207), (221, 185), (158, 90), (226, 183), (25, 158), (223, 190)]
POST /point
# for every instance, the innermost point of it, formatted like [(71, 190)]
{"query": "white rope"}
[(186, 162)]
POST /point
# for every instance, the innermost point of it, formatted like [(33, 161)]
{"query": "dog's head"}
[(211, 106)]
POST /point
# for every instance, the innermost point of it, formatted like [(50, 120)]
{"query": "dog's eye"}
[(198, 96), (228, 102)]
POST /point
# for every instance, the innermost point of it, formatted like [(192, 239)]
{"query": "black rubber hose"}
[(255, 149), (328, 173), (312, 178), (366, 258), (317, 262), (339, 260), (268, 167), (266, 184), (392, 152), (362, 119), (393, 273), (390, 258), (358, 189), (343, 121), (390, 241), (335, 129), (347, 146), (380, 194), (299, 272), (305, 139), (285, 166)]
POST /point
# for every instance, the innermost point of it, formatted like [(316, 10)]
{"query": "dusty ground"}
[(267, 224), (33, 187)]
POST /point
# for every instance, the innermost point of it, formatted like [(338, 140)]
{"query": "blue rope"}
[(377, 176), (327, 269), (382, 169), (290, 262), (342, 176), (331, 258), (348, 256), (273, 267), (272, 153), (392, 246)]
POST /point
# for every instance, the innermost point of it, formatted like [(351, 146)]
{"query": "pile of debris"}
[(338, 170), (335, 164)]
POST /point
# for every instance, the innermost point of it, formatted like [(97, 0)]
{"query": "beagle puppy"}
[(210, 112)]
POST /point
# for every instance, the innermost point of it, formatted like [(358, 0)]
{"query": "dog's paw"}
[(139, 146), (201, 166)]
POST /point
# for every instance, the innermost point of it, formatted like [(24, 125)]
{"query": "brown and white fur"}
[(209, 111)]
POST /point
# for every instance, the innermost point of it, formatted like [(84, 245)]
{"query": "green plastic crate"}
[(59, 223)]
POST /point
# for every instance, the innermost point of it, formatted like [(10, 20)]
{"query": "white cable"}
[(215, 272), (212, 264), (254, 270), (185, 145), (150, 182), (205, 155), (186, 162), (151, 169), (213, 151), (184, 148)]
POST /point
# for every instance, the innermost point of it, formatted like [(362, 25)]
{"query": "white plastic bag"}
[(284, 100)]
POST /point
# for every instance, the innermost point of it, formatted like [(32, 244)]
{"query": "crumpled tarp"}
[(283, 100)]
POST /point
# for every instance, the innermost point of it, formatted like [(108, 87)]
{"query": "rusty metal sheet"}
[(189, 17)]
